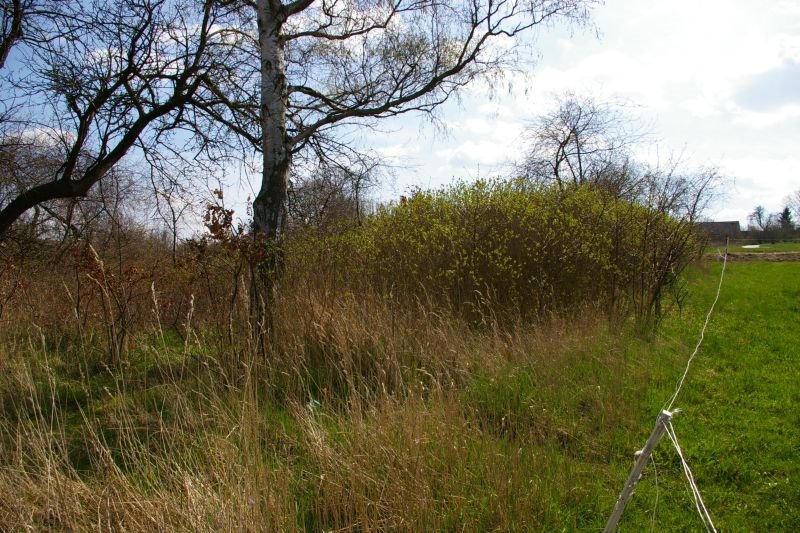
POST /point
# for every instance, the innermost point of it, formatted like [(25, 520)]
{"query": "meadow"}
[(738, 419), (375, 413)]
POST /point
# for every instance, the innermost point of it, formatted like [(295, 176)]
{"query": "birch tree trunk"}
[(269, 209), (269, 206)]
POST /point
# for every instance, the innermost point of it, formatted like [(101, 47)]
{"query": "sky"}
[(714, 82)]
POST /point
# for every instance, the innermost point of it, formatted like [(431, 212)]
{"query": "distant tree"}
[(581, 141), (785, 220), (586, 142), (332, 193), (793, 201), (759, 220)]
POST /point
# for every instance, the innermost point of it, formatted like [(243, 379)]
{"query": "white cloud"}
[(767, 119), (396, 152), (759, 181)]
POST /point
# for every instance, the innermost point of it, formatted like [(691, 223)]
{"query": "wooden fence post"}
[(643, 456)]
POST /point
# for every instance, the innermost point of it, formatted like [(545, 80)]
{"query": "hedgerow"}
[(508, 249)]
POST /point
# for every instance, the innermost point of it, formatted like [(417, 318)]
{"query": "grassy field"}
[(740, 408), (762, 248), (416, 423)]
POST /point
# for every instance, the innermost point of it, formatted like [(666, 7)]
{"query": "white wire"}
[(698, 498), (655, 505), (689, 477), (674, 397), (705, 516)]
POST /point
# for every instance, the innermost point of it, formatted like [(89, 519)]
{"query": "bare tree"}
[(25, 162), (684, 194), (331, 65), (581, 141), (11, 22), (103, 79), (325, 199), (760, 220), (793, 201), (334, 189), (171, 203)]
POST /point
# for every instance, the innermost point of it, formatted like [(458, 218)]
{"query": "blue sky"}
[(716, 82)]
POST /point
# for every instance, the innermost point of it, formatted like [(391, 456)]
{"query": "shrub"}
[(504, 249)]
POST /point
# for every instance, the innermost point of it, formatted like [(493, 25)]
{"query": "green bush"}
[(505, 249)]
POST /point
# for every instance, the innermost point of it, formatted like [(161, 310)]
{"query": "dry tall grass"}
[(133, 399), (364, 417)]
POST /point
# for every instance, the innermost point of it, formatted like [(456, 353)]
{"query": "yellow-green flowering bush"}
[(505, 248)]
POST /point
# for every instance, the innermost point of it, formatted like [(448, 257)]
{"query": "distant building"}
[(718, 232)]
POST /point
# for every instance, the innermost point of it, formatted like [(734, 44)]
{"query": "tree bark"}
[(16, 12), (269, 206)]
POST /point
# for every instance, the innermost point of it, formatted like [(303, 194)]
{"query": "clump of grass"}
[(129, 455), (367, 417), (493, 454)]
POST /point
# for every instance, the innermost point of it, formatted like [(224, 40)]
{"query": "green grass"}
[(739, 423), (762, 248), (737, 419)]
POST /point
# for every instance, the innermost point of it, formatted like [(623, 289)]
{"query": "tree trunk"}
[(269, 206)]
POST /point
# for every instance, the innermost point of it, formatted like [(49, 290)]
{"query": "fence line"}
[(679, 386), (698, 499), (664, 425)]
